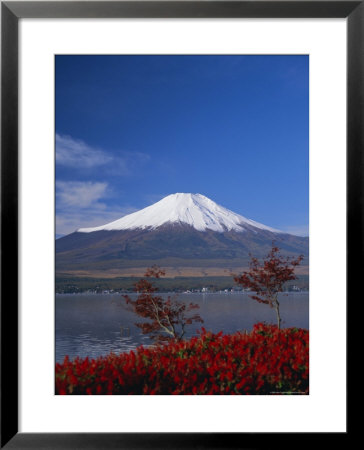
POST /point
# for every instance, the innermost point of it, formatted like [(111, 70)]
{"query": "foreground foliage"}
[(265, 361)]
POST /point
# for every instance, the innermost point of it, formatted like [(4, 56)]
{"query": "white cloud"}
[(80, 194), (77, 155), (80, 204), (83, 203), (69, 221), (298, 230)]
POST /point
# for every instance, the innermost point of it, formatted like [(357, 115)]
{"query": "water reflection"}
[(90, 325)]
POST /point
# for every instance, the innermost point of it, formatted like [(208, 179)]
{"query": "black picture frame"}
[(11, 12)]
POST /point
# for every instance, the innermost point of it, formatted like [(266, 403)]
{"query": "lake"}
[(90, 325)]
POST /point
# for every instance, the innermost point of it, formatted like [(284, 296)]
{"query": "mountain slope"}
[(195, 210), (180, 230)]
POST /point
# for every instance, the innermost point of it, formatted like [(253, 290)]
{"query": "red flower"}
[(265, 361)]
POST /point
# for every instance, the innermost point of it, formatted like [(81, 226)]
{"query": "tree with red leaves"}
[(169, 317), (266, 279)]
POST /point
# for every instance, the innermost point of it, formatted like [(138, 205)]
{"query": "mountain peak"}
[(195, 210)]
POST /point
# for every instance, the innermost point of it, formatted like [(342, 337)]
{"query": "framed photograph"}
[(181, 208)]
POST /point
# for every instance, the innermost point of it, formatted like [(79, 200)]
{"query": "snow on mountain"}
[(195, 210)]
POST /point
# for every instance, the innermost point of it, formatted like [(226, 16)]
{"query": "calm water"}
[(90, 325)]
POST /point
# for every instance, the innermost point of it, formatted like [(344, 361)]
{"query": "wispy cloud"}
[(297, 230), (83, 204), (70, 194), (88, 203), (69, 221), (78, 155)]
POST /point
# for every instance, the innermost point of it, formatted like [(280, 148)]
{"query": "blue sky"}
[(133, 129)]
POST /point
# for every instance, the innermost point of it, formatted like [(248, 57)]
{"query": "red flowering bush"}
[(265, 361)]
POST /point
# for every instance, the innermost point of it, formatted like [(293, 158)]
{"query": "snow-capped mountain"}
[(181, 230), (194, 210)]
